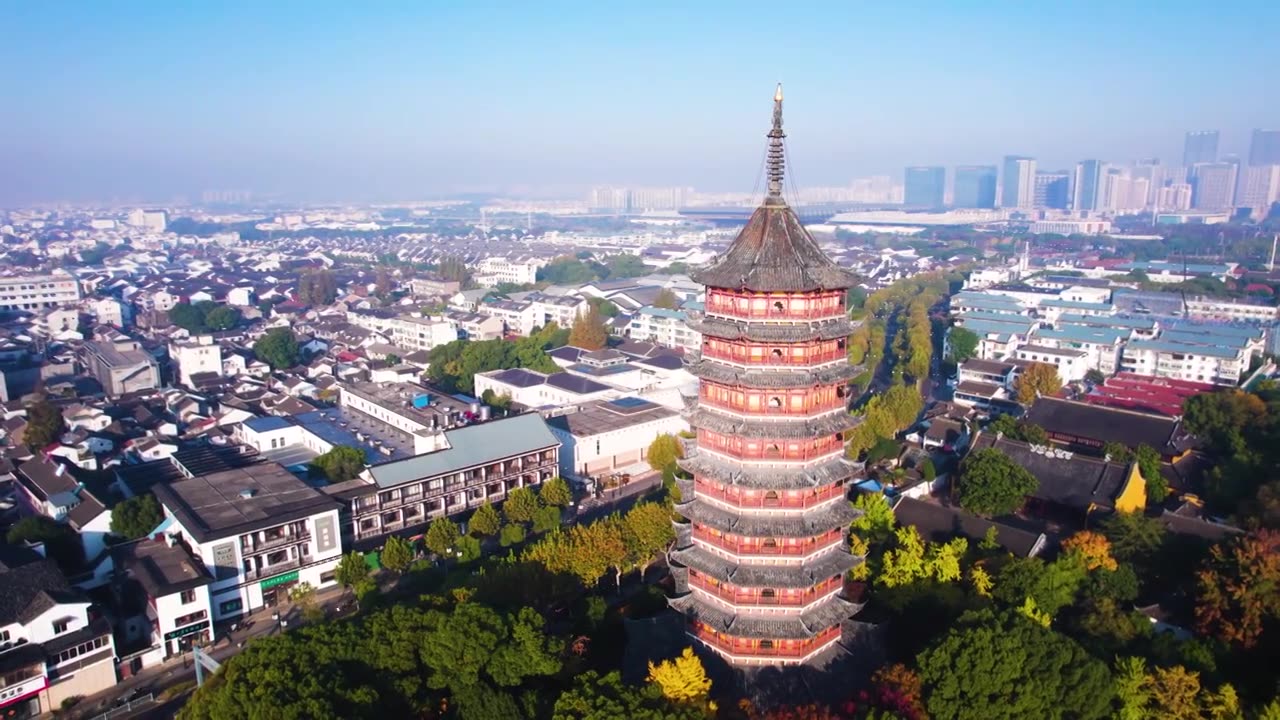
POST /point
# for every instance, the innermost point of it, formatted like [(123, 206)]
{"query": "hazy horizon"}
[(150, 101)]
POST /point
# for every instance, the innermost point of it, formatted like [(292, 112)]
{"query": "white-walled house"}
[(176, 585), (196, 357), (259, 530), (51, 647)]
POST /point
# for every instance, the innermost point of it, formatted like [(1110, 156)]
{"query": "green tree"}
[(1040, 379), (44, 425), (876, 523), (666, 299), (546, 519), (997, 667), (1117, 451), (223, 317), (664, 451), (555, 492), (963, 344), (589, 332), (485, 521), (61, 543), (1052, 586), (396, 554), (993, 484), (340, 464), (136, 517), (442, 536), (596, 697), (474, 644), (604, 306), (520, 505), (646, 532), (1148, 459), (1135, 539), (351, 570), (469, 549), (278, 348), (682, 679), (188, 317), (512, 534)]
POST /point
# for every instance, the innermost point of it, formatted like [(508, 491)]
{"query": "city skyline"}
[(407, 102)]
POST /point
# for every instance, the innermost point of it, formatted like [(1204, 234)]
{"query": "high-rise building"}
[(1018, 186), (1213, 186), (975, 186), (1085, 188), (924, 187), (760, 565), (1052, 190), (1259, 186), (1201, 146), (1264, 147), (609, 198), (1175, 196), (1153, 173)]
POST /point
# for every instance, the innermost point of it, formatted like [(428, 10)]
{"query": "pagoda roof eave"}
[(801, 428), (724, 374), (814, 521), (761, 332)]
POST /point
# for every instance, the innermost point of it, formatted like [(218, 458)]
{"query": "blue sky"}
[(314, 100)]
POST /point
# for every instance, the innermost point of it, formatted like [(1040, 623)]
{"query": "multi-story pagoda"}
[(760, 565)]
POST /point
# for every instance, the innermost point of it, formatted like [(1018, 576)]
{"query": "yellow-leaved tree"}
[(682, 679)]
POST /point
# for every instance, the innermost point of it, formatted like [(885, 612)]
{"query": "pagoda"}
[(760, 563)]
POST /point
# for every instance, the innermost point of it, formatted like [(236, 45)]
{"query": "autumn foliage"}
[(1239, 588)]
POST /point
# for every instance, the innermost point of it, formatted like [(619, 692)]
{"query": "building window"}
[(187, 597), (327, 577), (60, 626), (231, 607)]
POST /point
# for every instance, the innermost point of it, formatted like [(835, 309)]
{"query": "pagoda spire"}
[(777, 154)]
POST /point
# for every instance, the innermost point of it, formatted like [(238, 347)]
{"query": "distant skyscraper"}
[(1175, 196), (1264, 148), (975, 186), (1153, 173), (1201, 147), (924, 187), (1052, 190), (1214, 185), (1259, 186), (1019, 182), (1088, 178)]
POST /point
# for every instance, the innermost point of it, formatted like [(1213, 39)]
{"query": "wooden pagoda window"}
[(768, 593), (773, 450), (775, 403), (779, 307), (771, 495), (770, 543), (766, 644), (777, 354)]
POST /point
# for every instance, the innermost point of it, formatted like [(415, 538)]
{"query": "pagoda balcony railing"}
[(763, 500), (735, 595), (769, 360), (765, 648), (767, 455), (770, 411), (757, 547), (772, 313)]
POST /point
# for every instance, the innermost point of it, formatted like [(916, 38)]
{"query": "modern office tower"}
[(1113, 190), (1175, 196), (1018, 186), (1087, 181), (1052, 190), (924, 187), (762, 552), (1213, 186), (1153, 173), (609, 198), (1201, 147), (975, 186), (1264, 147), (1259, 186)]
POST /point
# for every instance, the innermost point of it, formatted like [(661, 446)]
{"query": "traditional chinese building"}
[(760, 564)]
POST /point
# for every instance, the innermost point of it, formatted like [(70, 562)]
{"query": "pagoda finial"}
[(777, 153)]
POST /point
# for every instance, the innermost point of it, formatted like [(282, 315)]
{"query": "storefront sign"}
[(278, 580), (185, 631)]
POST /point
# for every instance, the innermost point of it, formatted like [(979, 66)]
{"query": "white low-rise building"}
[(610, 434), (519, 317), (199, 356), (259, 530), (176, 585), (493, 271), (535, 390), (665, 327), (1071, 364)]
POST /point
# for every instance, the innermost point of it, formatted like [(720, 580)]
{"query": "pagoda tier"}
[(811, 522), (711, 371), (782, 428), (726, 329), (827, 472), (762, 553)]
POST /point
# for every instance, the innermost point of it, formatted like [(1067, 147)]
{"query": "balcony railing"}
[(763, 500), (739, 596), (769, 360), (261, 546), (757, 547), (757, 648), (266, 572)]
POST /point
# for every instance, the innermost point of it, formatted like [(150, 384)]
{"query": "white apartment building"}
[(50, 649), (536, 390), (518, 317), (1070, 363), (37, 292), (563, 310), (1259, 187), (1182, 361), (176, 584), (1070, 227), (110, 311), (474, 326), (258, 530), (415, 333), (150, 220), (1101, 345), (608, 435), (492, 271), (668, 328), (197, 356), (1208, 308)]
